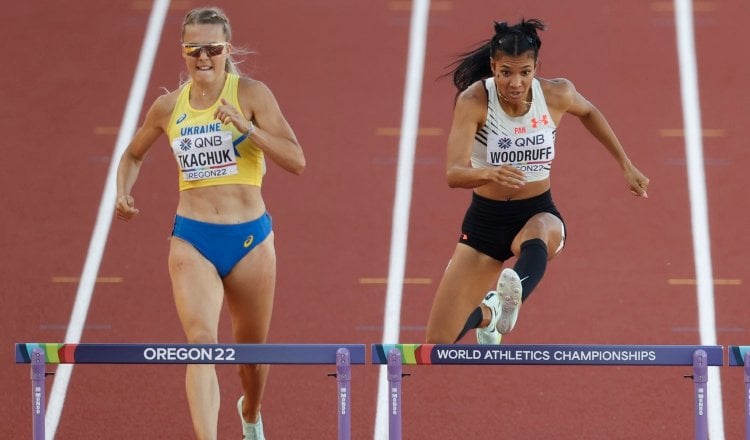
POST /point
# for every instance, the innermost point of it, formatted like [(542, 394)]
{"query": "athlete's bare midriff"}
[(497, 192), (222, 204)]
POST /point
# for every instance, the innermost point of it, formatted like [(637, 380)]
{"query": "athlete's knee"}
[(251, 329), (200, 335), (538, 229)]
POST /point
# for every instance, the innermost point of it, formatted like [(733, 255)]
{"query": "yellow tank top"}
[(208, 152)]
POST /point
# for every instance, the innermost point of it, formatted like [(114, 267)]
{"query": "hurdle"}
[(699, 356), (40, 354), (739, 356)]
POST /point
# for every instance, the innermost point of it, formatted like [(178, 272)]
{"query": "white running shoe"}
[(489, 335), (250, 431), (509, 288)]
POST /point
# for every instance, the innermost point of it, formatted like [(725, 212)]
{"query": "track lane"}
[(336, 106), (724, 95), (58, 94), (614, 272)]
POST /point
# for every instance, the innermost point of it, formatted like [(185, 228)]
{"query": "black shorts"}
[(491, 225)]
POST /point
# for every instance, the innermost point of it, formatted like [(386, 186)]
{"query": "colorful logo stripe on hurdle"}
[(737, 354), (411, 354), (54, 353)]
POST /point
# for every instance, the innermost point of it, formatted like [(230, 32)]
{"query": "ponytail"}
[(512, 40), (472, 66)]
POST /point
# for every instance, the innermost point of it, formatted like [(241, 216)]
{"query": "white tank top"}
[(527, 142)]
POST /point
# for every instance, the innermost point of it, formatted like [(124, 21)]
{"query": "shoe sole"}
[(509, 288)]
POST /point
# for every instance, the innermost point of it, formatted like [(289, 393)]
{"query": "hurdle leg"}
[(700, 378), (344, 378), (394, 394), (38, 392), (747, 395)]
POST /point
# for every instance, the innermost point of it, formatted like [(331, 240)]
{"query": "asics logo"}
[(249, 241)]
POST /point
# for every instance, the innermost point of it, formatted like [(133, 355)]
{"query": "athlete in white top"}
[(501, 145), (526, 142)]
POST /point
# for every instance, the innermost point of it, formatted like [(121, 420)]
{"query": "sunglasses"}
[(194, 50)]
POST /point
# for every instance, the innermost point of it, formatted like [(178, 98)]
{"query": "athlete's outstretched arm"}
[(597, 125)]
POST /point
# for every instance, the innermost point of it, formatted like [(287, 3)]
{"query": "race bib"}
[(205, 156), (532, 149)]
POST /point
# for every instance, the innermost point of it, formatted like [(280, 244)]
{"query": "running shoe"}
[(489, 335), (250, 431), (509, 288)]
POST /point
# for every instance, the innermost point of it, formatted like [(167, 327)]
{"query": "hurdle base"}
[(38, 392), (700, 378)]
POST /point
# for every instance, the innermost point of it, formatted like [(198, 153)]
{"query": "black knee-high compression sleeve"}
[(474, 321), (531, 264)]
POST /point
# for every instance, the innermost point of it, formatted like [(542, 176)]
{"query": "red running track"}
[(337, 68)]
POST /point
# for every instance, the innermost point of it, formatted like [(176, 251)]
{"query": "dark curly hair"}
[(513, 40)]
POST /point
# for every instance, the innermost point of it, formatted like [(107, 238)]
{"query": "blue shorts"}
[(223, 245)]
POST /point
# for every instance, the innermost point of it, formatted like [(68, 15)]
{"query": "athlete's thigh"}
[(469, 273), (249, 290), (197, 290)]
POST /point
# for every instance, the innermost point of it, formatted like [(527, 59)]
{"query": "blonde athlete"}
[(221, 127), (501, 145)]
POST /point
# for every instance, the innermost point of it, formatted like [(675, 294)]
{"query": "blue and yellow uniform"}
[(209, 153)]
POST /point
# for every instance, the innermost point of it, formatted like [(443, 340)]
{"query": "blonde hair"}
[(213, 15)]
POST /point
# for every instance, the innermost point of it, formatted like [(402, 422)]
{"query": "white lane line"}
[(106, 210), (402, 203), (691, 121)]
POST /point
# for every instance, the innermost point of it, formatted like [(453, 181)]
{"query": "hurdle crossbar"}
[(739, 356), (299, 354), (699, 356), (341, 355)]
